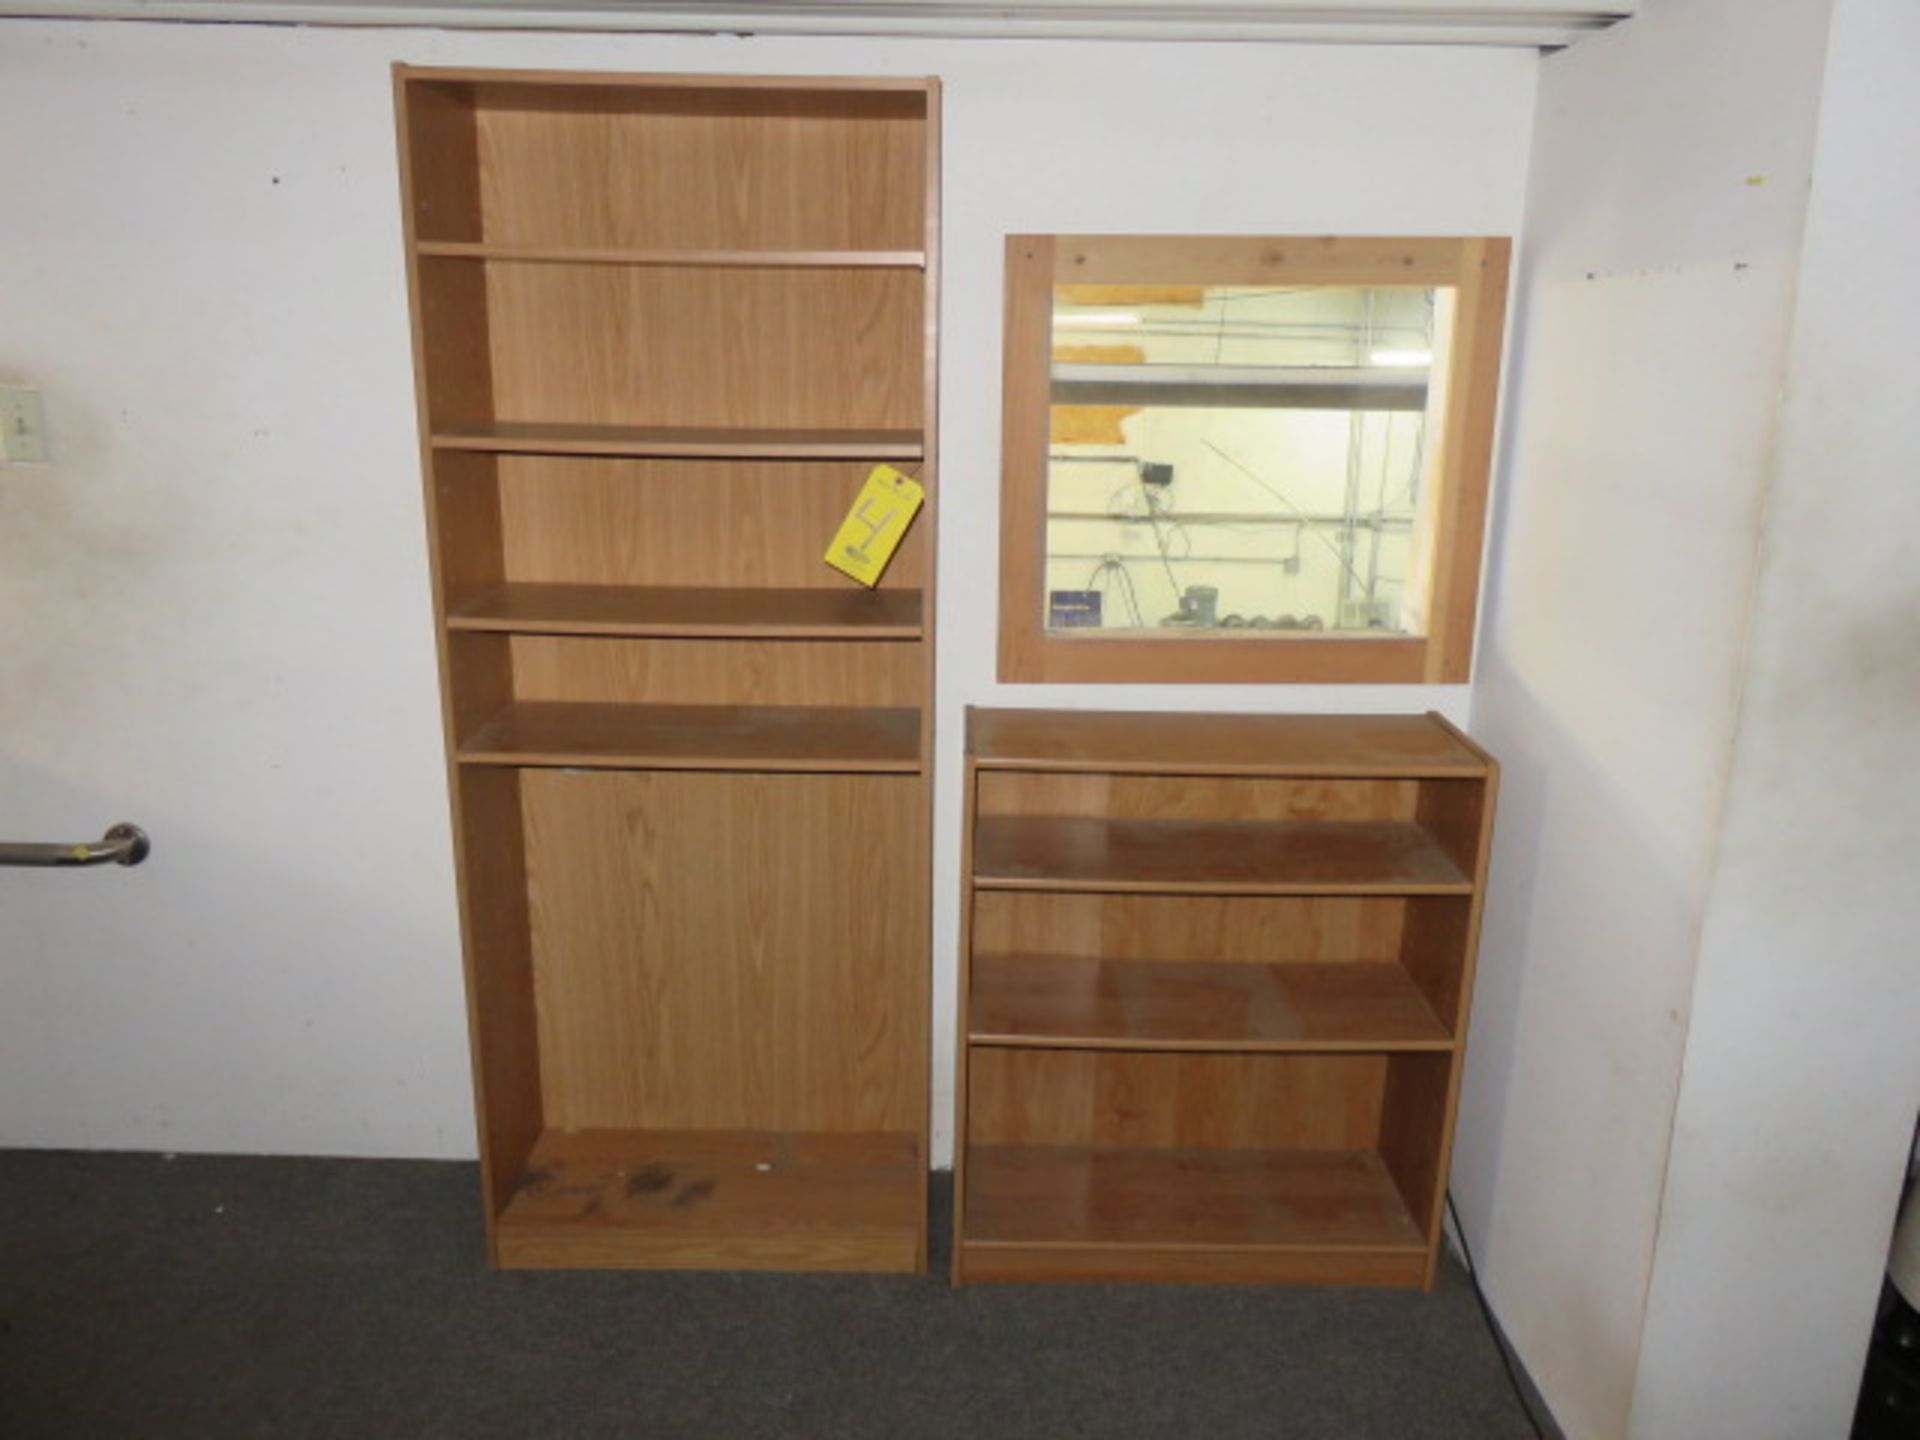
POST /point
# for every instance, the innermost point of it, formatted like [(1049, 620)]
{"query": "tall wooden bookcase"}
[(1214, 994), (663, 327)]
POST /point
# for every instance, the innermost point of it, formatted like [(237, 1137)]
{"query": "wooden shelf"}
[(689, 259), (1214, 972), (663, 327), (718, 1199), (1199, 857), (1074, 1002), (689, 611), (1349, 746), (1070, 1213), (698, 737), (518, 437)]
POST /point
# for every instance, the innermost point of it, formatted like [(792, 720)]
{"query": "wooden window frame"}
[(1475, 267)]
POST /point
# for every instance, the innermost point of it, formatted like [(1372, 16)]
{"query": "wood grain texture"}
[(1180, 658), (525, 437), (1212, 858), (1453, 812), (1074, 1001), (689, 612), (717, 951), (1465, 739), (455, 330), (1255, 260), (698, 737), (465, 505), (674, 167), (1099, 1016), (981, 1262), (1465, 462), (440, 159), (1467, 958), (963, 1017), (496, 941), (675, 259), (1435, 944), (1413, 1132), (495, 932), (1195, 797), (601, 345), (440, 194), (1188, 1198), (476, 681), (715, 1199), (783, 672), (663, 327), (745, 523), (1026, 376), (1162, 1100), (1189, 744), (1215, 929)]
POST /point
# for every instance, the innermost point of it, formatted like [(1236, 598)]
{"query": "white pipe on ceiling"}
[(1457, 22)]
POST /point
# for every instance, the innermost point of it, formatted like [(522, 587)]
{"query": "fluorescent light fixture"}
[(1094, 318), (1401, 359)]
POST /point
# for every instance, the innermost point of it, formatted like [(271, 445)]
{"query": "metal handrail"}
[(122, 845)]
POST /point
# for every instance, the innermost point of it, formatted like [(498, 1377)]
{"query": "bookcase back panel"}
[(681, 168), (1117, 1098), (719, 672), (618, 345), (685, 522), (1193, 797), (1243, 930), (702, 960)]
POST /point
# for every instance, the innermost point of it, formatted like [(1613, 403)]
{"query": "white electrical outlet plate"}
[(23, 426)]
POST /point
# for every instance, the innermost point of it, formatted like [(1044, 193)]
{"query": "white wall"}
[(216, 609), (1802, 1072), (1670, 167)]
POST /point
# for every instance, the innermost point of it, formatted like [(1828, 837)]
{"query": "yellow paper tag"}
[(867, 538)]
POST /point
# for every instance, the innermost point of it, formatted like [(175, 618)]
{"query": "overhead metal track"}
[(1446, 22), (1268, 387)]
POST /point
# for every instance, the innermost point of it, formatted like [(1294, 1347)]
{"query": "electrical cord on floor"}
[(1493, 1325)]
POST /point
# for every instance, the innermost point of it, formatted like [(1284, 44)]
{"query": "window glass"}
[(1242, 460)]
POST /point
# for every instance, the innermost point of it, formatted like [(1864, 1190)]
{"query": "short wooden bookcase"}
[(1214, 994), (664, 325)]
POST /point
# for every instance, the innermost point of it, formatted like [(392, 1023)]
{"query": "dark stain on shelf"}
[(650, 1181), (694, 1193)]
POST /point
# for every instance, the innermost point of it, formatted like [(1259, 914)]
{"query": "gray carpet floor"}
[(143, 1296)]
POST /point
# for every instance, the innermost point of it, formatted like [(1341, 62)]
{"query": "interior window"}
[(1250, 460)]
